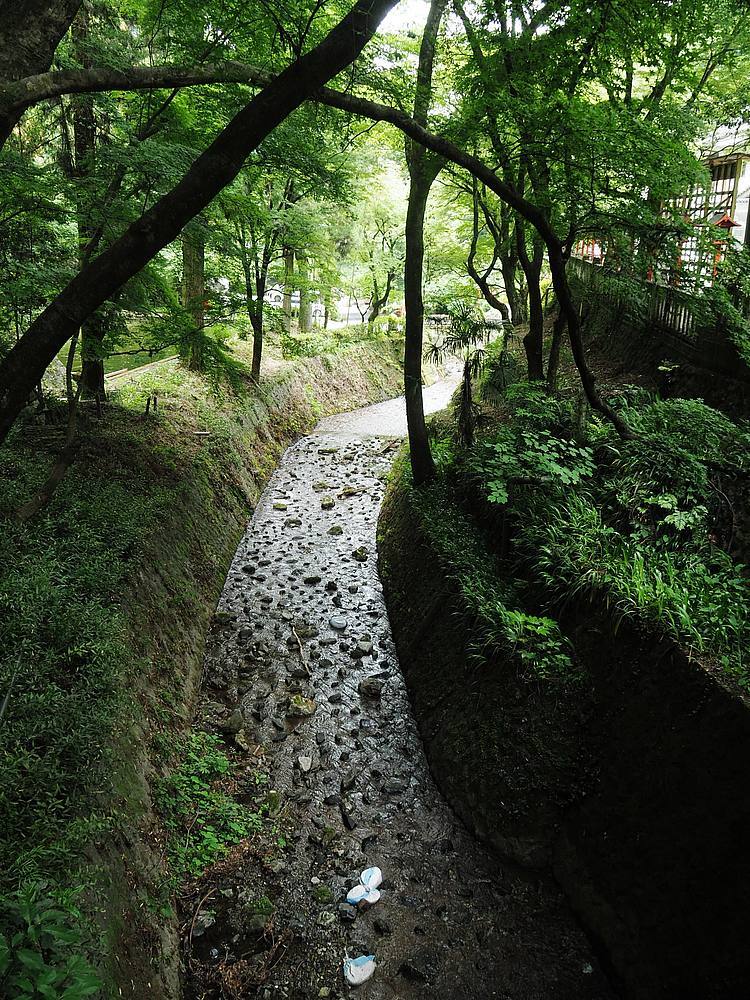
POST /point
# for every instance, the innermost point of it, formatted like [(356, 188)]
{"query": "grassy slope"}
[(104, 600)]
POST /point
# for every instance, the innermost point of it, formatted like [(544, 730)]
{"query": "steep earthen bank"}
[(631, 787), (213, 456)]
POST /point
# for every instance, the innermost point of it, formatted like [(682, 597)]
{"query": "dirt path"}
[(353, 783)]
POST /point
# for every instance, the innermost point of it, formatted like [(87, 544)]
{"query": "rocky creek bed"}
[(302, 676)]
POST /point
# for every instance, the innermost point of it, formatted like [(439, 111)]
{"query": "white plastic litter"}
[(360, 895), (372, 878), (366, 893), (359, 970)]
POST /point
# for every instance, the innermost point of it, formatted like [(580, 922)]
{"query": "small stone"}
[(338, 622), (301, 707), (362, 648), (371, 687), (412, 972), (203, 921), (348, 780), (336, 530), (349, 822), (361, 554), (234, 723), (279, 505), (305, 764), (394, 787), (242, 742), (312, 580), (273, 802), (327, 503)]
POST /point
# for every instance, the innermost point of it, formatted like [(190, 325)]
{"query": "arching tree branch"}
[(218, 165), (26, 362)]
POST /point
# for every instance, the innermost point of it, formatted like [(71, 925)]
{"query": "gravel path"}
[(353, 783)]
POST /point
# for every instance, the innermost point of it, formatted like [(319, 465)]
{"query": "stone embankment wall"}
[(632, 788)]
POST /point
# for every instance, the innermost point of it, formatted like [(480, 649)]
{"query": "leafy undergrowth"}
[(492, 602), (203, 819), (41, 948), (104, 601), (646, 526), (322, 341)]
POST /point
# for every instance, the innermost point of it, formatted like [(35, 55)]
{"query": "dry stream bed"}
[(302, 676)]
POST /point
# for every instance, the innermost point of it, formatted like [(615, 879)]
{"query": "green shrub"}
[(699, 600), (637, 522), (202, 819), (491, 601), (500, 370), (42, 946), (63, 654)]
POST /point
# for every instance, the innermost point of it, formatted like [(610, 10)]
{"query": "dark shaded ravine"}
[(355, 787)]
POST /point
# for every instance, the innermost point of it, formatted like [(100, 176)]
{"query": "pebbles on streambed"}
[(295, 653)]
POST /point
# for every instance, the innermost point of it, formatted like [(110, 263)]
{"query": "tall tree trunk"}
[(256, 321), (29, 34), (305, 305), (84, 143), (194, 288), (422, 176), (423, 169), (22, 368), (288, 280), (93, 332), (516, 302), (557, 264), (255, 289), (553, 364), (379, 302), (533, 342), (481, 279)]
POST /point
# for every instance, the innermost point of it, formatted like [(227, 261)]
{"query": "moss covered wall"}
[(632, 787)]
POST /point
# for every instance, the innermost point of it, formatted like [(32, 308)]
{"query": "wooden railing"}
[(666, 306), (675, 317)]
